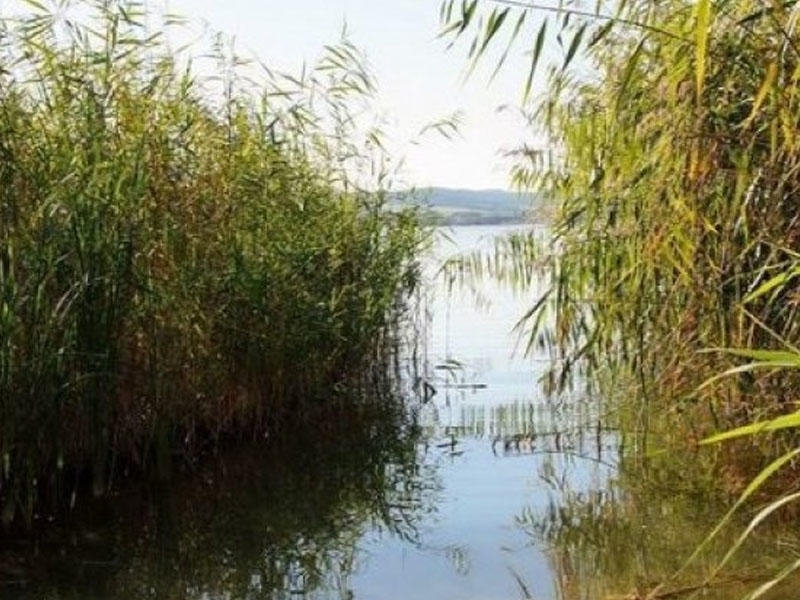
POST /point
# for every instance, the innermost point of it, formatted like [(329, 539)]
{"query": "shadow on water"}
[(280, 522)]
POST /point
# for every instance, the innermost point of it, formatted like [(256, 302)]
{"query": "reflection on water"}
[(485, 490), (489, 434), (280, 523), (632, 536), (393, 500), (615, 543)]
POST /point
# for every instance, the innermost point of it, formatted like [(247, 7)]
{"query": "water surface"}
[(486, 490)]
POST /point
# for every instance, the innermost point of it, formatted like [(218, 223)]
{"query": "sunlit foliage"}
[(670, 153), (183, 258)]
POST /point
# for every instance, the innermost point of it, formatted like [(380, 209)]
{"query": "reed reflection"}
[(276, 523)]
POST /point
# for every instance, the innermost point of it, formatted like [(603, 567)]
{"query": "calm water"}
[(487, 491), (472, 546), (429, 509)]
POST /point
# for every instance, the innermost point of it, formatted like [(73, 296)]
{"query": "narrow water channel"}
[(500, 451)]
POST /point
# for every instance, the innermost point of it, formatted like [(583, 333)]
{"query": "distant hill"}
[(472, 207)]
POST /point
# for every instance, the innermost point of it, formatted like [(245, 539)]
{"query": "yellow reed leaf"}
[(703, 21)]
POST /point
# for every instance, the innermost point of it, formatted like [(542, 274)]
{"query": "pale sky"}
[(419, 81)]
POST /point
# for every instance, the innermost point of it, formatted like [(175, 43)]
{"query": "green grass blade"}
[(790, 421)]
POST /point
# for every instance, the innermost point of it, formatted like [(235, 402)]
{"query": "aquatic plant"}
[(666, 151), (669, 149), (671, 166), (184, 259)]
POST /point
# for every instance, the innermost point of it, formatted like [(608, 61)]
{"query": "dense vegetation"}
[(183, 259), (670, 149), (672, 168)]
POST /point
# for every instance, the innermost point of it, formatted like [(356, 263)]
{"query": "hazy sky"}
[(418, 79)]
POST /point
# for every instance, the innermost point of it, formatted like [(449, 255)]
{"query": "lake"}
[(484, 490)]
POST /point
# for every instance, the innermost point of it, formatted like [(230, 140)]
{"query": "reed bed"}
[(668, 146), (668, 150), (184, 259)]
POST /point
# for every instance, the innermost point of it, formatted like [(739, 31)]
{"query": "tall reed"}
[(672, 155), (183, 258), (667, 146)]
